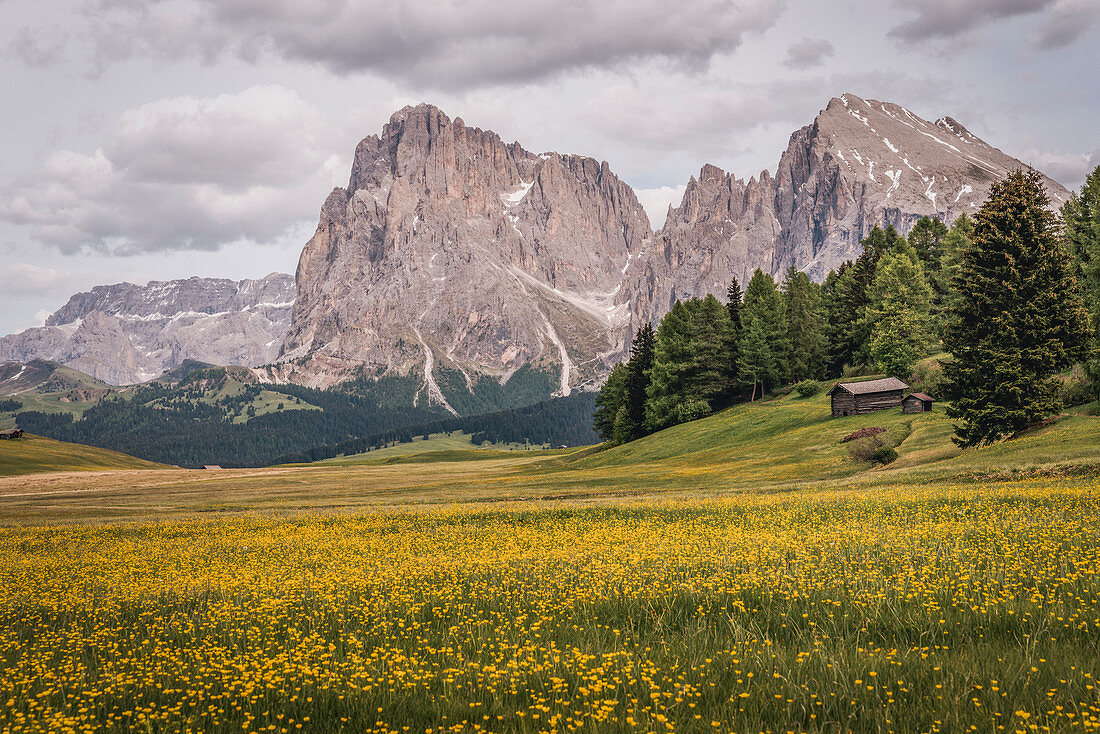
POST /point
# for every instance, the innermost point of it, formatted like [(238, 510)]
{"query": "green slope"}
[(33, 454)]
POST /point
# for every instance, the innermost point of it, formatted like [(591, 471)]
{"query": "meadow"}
[(739, 574)]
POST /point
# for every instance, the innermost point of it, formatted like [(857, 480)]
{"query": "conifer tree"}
[(1019, 319), (631, 424), (672, 360), (1081, 225), (953, 246), (734, 297), (805, 326), (609, 400), (848, 330), (757, 361), (926, 238), (764, 307)]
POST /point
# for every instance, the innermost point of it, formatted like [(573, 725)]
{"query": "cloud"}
[(1067, 21), (808, 52), (182, 173), (949, 18), (657, 201), (1068, 169), (429, 43), (34, 49)]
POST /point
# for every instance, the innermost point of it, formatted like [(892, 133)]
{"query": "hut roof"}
[(921, 396), (870, 386)]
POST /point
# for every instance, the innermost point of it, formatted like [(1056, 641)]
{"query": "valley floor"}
[(740, 573)]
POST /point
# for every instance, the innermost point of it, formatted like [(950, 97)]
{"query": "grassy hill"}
[(34, 454)]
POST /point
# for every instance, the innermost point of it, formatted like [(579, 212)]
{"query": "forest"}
[(1011, 295)]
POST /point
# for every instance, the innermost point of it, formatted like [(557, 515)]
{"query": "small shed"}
[(916, 402), (855, 398), (210, 466), (9, 433)]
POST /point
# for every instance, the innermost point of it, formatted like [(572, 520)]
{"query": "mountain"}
[(452, 251), (860, 163), (127, 333)]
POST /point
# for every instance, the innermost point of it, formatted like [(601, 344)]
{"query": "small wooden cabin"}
[(855, 398), (916, 402), (9, 433)]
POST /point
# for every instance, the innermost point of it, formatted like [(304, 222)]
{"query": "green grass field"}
[(740, 573), (35, 454)]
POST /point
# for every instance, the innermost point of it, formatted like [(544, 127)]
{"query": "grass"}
[(740, 573), (455, 446), (35, 454)]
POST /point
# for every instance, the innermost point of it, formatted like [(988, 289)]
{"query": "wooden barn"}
[(9, 433), (916, 402), (854, 398)]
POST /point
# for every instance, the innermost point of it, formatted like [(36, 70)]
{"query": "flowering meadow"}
[(937, 608)]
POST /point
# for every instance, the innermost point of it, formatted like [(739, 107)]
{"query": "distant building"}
[(916, 402), (9, 433), (210, 466), (855, 398)]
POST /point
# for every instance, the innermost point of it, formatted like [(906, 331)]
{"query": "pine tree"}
[(671, 364), (899, 313), (1019, 318), (953, 246), (848, 330), (757, 360), (1081, 225), (926, 238), (733, 305), (638, 368), (805, 326), (609, 401), (764, 307)]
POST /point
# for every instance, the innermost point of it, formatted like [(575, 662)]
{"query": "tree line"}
[(1000, 291)]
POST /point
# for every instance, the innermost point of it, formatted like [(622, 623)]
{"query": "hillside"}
[(36, 454), (757, 450)]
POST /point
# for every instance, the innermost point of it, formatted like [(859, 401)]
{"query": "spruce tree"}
[(672, 361), (638, 368), (609, 400), (757, 361), (734, 297), (764, 307), (1019, 316), (805, 326), (953, 246), (1081, 225)]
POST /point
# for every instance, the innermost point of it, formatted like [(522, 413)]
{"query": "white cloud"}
[(1068, 169), (183, 173), (430, 43), (1059, 22), (657, 201)]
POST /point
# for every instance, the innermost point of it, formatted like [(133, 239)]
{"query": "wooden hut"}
[(916, 402), (854, 398), (9, 433)]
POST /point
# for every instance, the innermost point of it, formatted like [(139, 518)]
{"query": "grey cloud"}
[(433, 44), (180, 174), (808, 52), (950, 18), (1067, 21), (34, 49)]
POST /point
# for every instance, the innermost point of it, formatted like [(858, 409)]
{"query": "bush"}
[(863, 433), (876, 448), (693, 409), (807, 388), (884, 455)]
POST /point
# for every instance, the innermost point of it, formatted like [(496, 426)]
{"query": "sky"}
[(161, 139)]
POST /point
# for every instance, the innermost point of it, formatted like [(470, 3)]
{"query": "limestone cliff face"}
[(126, 333), (450, 248), (865, 162), (861, 163)]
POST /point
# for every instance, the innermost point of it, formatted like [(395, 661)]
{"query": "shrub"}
[(877, 448), (693, 409), (807, 388), (884, 455)]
